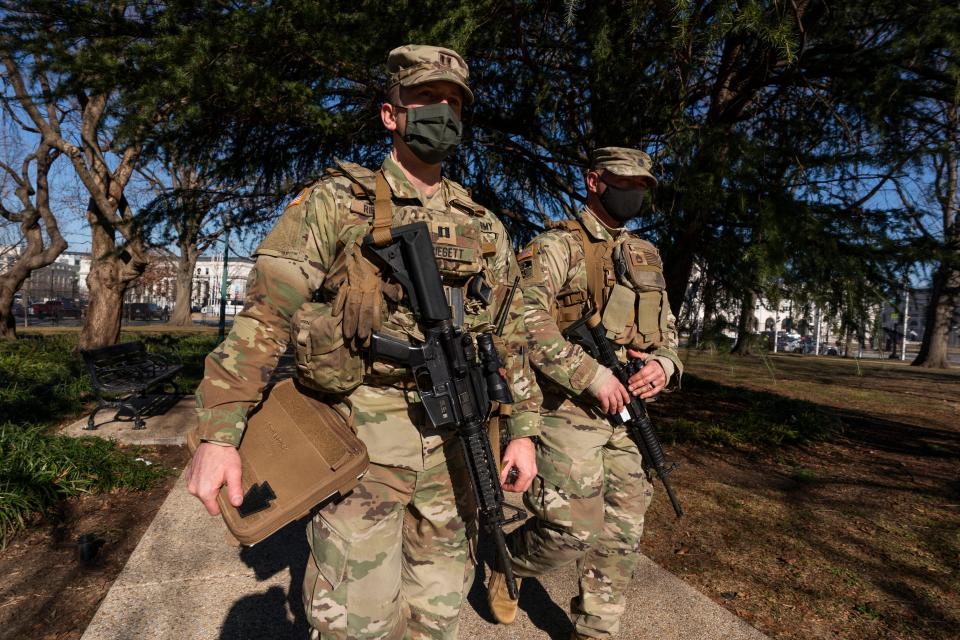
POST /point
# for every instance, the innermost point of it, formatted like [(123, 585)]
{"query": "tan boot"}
[(503, 607)]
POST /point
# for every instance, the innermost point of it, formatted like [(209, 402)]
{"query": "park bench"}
[(121, 375)]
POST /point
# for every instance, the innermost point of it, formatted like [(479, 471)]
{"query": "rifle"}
[(456, 378), (589, 333)]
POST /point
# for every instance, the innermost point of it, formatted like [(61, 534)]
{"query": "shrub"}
[(45, 380), (38, 469)]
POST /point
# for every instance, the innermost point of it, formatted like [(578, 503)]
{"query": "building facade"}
[(57, 281), (67, 278)]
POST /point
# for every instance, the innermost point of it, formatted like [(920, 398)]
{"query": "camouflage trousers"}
[(588, 503), (391, 560)]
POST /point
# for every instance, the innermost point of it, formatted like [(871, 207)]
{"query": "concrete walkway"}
[(184, 582)]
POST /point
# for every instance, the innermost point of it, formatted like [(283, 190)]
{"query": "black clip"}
[(257, 499), (479, 289)]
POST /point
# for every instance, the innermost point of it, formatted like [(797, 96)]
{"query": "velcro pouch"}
[(325, 362), (644, 272), (619, 314), (297, 453)]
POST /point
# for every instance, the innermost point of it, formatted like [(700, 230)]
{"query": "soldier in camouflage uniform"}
[(591, 493), (393, 559)]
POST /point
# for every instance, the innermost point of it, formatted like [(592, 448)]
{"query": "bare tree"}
[(119, 250), (191, 208), (186, 203), (40, 246)]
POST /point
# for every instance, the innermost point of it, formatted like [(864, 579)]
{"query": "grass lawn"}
[(822, 494)]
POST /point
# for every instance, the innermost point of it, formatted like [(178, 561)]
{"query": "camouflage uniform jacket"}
[(554, 263), (296, 258)]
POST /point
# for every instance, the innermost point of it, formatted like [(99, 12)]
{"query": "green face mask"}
[(433, 131)]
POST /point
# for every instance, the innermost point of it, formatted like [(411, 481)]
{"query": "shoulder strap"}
[(363, 179), (382, 212), (369, 185), (593, 257)]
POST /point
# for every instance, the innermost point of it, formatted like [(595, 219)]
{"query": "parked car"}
[(145, 311), (57, 309), (792, 346)]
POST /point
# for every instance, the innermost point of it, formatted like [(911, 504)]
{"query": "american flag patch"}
[(529, 252), (299, 198)]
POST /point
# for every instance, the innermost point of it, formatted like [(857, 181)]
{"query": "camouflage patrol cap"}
[(624, 162), (414, 64)]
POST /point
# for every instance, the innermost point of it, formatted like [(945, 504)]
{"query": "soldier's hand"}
[(650, 380), (212, 467), (522, 455), (610, 393)]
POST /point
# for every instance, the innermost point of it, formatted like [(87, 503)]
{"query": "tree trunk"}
[(940, 310), (34, 257), (185, 267), (8, 323), (101, 325), (709, 327), (112, 270), (678, 264), (744, 334)]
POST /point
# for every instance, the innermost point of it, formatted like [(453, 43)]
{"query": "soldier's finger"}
[(234, 488), (207, 494), (521, 477), (616, 406), (209, 501), (650, 390), (523, 481), (508, 467)]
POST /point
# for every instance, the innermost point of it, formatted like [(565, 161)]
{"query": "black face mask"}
[(622, 204)]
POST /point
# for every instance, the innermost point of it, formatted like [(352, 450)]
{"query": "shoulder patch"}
[(531, 267), (528, 252), (300, 197), (287, 239)]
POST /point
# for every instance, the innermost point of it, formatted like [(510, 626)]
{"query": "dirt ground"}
[(47, 592), (855, 538)]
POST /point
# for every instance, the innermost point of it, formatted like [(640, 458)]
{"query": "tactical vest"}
[(461, 249), (624, 283)]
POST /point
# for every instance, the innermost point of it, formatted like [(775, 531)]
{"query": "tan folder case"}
[(296, 453)]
